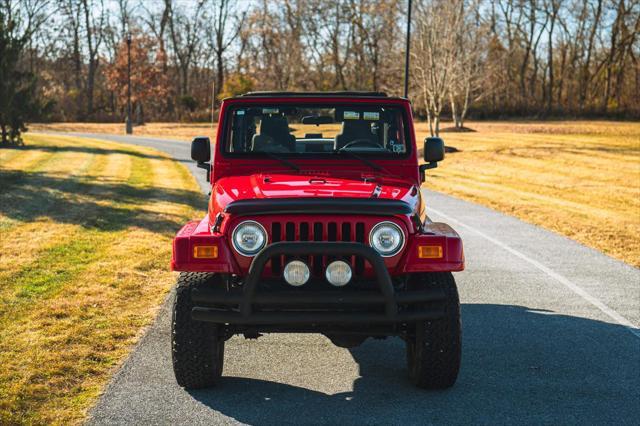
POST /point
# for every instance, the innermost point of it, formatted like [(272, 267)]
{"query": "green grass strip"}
[(54, 268)]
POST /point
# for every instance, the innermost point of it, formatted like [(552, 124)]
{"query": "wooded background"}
[(500, 58)]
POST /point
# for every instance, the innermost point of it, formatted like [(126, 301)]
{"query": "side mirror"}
[(433, 152), (200, 149), (201, 153)]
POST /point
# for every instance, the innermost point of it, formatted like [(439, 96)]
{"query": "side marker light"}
[(205, 252), (430, 252)]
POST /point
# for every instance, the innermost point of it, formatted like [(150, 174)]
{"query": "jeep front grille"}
[(318, 231)]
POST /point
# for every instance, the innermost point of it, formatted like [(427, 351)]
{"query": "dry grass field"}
[(578, 178), (84, 263)]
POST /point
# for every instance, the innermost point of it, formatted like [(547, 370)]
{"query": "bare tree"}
[(339, 43), (28, 15), (470, 70), (552, 8), (222, 31), (73, 12), (436, 53), (485, 57), (185, 30), (531, 32), (585, 75), (374, 46), (94, 23)]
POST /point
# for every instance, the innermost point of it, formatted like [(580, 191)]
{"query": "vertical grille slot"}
[(304, 231), (332, 232), (290, 231), (345, 236), (346, 232), (360, 237), (290, 235), (332, 236), (276, 236), (304, 236), (317, 236), (276, 232)]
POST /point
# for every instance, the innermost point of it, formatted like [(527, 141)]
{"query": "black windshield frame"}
[(386, 155)]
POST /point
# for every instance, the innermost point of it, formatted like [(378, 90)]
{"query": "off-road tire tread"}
[(197, 351), (440, 363)]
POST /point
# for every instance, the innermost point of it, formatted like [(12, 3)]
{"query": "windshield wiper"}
[(371, 164), (280, 159)]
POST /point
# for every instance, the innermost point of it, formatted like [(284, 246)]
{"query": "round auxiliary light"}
[(338, 273), (249, 238), (386, 238), (296, 273)]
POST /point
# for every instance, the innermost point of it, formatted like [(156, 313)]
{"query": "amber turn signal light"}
[(205, 252), (429, 252)]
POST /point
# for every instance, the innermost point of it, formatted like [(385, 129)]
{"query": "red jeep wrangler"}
[(316, 224)]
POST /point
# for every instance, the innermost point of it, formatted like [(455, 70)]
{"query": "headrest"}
[(273, 125)]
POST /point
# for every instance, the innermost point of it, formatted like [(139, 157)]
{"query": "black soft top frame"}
[(361, 94)]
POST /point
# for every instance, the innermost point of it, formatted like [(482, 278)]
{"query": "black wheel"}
[(434, 350), (197, 347)]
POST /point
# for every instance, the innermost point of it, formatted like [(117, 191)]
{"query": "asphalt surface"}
[(550, 336)]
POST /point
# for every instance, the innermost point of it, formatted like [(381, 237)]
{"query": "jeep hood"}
[(229, 189)]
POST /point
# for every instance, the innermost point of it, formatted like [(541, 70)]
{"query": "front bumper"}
[(250, 306)]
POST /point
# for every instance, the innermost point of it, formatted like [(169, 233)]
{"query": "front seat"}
[(353, 130), (274, 136)]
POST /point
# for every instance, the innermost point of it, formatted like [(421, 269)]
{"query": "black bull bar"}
[(320, 307)]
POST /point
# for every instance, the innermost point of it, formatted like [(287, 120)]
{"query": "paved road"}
[(550, 336)]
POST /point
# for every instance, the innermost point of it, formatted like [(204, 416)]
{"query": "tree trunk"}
[(585, 76), (139, 114), (454, 111), (465, 106), (91, 78), (4, 134), (77, 69), (429, 118), (610, 57), (554, 14), (563, 63), (219, 77), (525, 61), (184, 89)]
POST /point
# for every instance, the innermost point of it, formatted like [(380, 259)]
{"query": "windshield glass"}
[(304, 130)]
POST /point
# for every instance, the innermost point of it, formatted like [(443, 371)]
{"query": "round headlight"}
[(249, 238), (386, 238)]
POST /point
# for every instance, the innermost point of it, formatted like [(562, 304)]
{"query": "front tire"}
[(197, 347), (434, 349)]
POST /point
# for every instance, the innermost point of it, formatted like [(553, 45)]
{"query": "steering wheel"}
[(361, 141)]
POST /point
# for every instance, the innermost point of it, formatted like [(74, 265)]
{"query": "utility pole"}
[(129, 127), (406, 58)]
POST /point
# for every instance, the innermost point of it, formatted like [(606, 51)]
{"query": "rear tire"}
[(434, 351), (197, 347)]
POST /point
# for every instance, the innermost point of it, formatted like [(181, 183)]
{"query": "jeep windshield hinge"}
[(217, 222)]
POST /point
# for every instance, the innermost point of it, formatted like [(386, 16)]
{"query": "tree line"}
[(487, 58)]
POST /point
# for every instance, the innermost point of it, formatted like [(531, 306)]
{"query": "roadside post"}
[(129, 127)]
